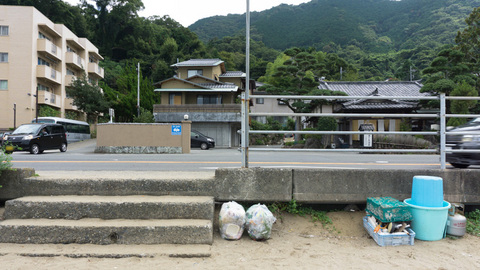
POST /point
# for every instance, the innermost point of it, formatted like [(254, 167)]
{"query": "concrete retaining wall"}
[(322, 186), (354, 186), (338, 186), (143, 138)]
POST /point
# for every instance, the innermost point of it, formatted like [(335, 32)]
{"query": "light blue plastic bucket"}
[(429, 223), (427, 191)]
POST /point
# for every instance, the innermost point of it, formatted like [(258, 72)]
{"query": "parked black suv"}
[(464, 141), (36, 138), (197, 139)]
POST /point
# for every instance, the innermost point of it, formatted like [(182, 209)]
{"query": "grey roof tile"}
[(199, 63), (396, 88), (233, 74), (386, 89)]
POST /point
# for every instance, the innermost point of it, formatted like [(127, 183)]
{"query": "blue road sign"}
[(176, 130)]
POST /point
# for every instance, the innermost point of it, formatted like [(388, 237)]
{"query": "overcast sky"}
[(187, 12)]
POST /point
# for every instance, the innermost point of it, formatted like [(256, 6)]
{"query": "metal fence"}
[(441, 115)]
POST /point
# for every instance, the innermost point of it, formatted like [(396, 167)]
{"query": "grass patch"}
[(473, 222), (295, 208)]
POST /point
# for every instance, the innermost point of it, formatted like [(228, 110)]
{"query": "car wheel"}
[(34, 149), (460, 166), (204, 146), (63, 148)]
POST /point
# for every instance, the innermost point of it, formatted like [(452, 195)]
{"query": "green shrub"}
[(5, 160), (473, 222)]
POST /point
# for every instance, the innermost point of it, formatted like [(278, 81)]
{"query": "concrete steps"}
[(110, 207), (112, 184), (103, 220), (105, 251), (105, 232)]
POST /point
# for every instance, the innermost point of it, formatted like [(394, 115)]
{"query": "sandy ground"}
[(296, 243)]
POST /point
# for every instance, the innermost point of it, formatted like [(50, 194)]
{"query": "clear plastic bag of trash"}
[(259, 222), (231, 221)]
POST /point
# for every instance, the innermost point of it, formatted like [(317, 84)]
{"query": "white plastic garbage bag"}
[(259, 222), (231, 221)]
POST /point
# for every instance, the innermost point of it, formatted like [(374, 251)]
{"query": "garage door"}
[(219, 131)]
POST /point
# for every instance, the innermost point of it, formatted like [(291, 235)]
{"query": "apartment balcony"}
[(197, 113), (50, 49), (94, 68), (69, 104), (74, 60), (50, 99), (49, 74)]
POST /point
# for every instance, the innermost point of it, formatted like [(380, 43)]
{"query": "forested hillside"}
[(347, 40), (373, 25)]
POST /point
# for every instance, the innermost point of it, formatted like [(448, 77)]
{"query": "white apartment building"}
[(39, 56)]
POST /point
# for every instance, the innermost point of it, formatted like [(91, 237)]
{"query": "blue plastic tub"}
[(429, 223), (427, 191)]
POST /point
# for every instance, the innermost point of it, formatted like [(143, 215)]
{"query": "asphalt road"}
[(80, 157)]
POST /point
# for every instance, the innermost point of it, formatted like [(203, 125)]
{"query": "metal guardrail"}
[(441, 115)]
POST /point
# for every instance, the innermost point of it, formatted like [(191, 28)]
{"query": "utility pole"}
[(245, 95), (411, 73), (36, 106), (14, 115), (138, 89)]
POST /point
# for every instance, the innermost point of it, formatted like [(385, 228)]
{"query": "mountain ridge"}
[(374, 25)]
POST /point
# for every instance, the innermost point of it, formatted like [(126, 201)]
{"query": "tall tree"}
[(296, 72), (124, 95), (446, 74), (468, 40), (462, 106), (88, 98)]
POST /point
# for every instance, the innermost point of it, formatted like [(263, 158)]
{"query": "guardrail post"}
[(443, 124), (244, 132), (246, 94)]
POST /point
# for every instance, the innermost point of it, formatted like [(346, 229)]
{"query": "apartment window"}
[(70, 72), (42, 62), (3, 57), (42, 36), (69, 49), (92, 60), (43, 87), (3, 85), (209, 99), (259, 101), (3, 30), (193, 72)]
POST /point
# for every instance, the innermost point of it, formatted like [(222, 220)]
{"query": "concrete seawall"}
[(316, 186)]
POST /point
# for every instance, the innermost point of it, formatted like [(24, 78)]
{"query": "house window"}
[(3, 57), (3, 85), (175, 99), (259, 101), (193, 72), (3, 30), (209, 99)]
